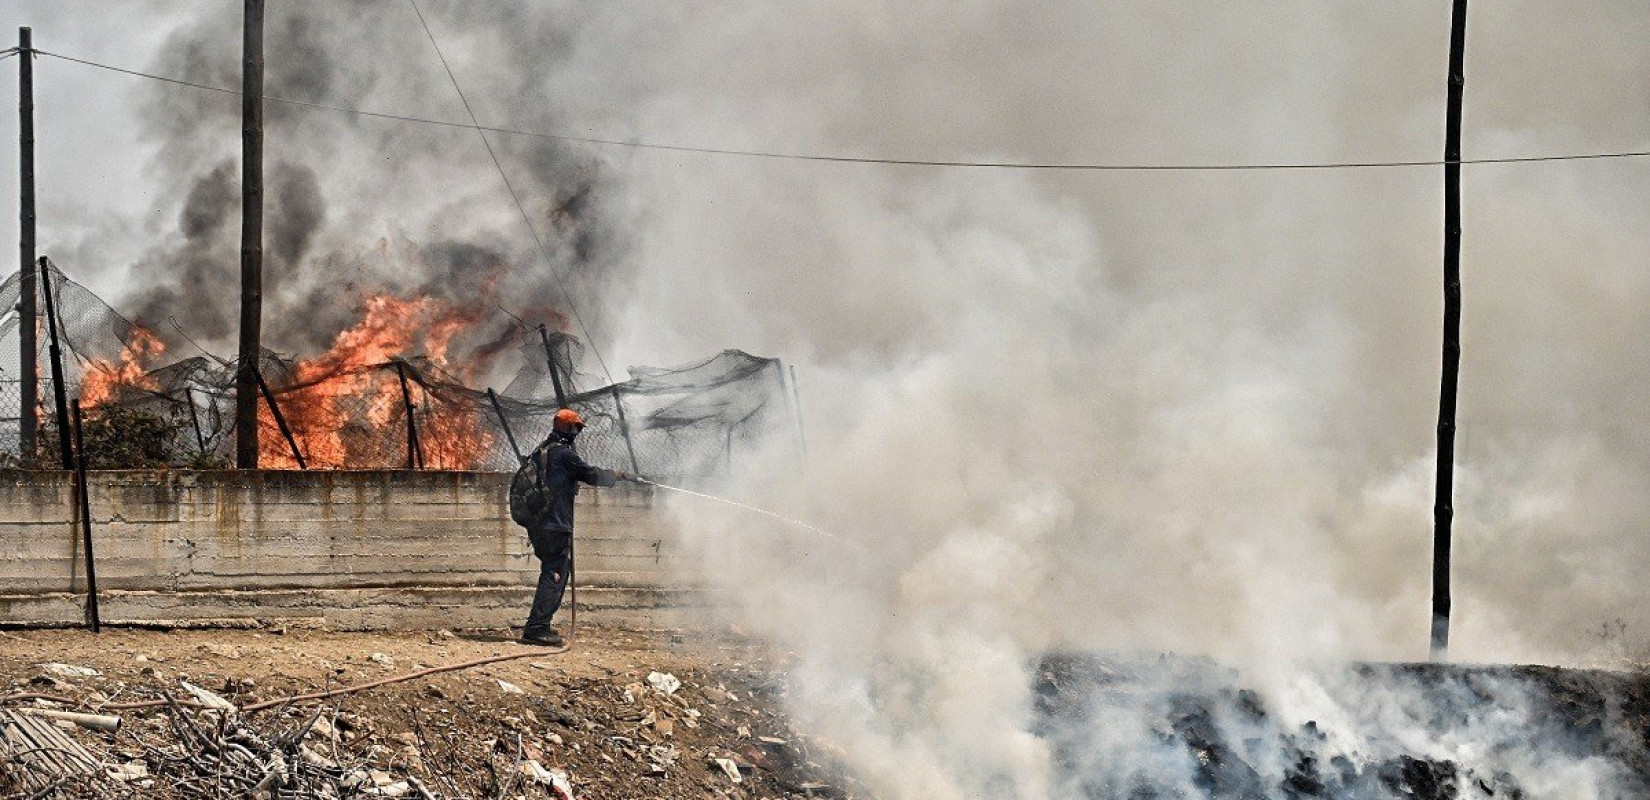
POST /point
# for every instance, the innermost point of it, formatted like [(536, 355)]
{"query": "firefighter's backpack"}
[(529, 500)]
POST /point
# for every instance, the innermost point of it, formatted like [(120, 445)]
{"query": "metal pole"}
[(624, 428), (789, 394), (1443, 511), (252, 225), (56, 353), (796, 410), (415, 454), (194, 419), (280, 421), (555, 374), (28, 341), (492, 397), (82, 495)]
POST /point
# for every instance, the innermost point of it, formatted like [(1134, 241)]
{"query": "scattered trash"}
[(207, 698), (322, 727), (70, 671), (96, 722), (396, 789), (222, 651), (382, 659), (661, 757), (729, 769), (556, 779), (664, 682), (130, 772), (508, 687)]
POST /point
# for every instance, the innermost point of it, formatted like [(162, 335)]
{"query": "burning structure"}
[(399, 388)]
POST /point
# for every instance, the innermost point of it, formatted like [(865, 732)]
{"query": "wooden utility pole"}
[(28, 344), (252, 230), (1443, 511)]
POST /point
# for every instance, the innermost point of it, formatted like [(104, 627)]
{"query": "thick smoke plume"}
[(359, 206), (1150, 412)]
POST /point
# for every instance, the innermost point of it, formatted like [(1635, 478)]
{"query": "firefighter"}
[(556, 470)]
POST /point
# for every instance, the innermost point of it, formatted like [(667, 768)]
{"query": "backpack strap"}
[(541, 459)]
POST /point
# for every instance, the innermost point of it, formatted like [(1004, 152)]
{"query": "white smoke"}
[(1189, 413)]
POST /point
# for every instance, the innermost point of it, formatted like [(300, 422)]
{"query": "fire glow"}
[(346, 404), (345, 408), (105, 379)]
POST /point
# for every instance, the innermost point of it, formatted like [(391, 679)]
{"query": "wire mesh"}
[(691, 420)]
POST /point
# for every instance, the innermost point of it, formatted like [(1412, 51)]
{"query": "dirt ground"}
[(509, 729)]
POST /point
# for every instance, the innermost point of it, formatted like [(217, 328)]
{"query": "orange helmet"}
[(568, 418)]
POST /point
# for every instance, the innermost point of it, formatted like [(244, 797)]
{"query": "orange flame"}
[(347, 410), (104, 380)]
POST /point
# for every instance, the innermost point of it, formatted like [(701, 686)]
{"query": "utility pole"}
[(26, 311), (1443, 511), (252, 229)]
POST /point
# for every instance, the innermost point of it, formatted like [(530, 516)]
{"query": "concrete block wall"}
[(380, 549)]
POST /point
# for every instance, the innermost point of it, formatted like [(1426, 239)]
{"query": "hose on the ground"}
[(299, 698)]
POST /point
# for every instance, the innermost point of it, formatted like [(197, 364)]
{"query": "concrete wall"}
[(355, 549)]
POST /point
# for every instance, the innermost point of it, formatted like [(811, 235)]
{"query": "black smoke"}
[(356, 206)]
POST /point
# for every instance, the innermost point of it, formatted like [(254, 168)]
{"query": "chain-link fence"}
[(693, 420)]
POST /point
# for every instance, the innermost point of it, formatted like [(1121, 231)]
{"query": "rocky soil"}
[(623, 714)]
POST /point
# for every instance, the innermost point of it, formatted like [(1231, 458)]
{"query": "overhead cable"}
[(908, 162), (526, 220)]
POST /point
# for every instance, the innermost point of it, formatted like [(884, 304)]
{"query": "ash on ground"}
[(1144, 729)]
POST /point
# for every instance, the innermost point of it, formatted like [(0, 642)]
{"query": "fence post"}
[(415, 454), (555, 374), (82, 497), (280, 421), (624, 428), (492, 397), (194, 419), (58, 390)]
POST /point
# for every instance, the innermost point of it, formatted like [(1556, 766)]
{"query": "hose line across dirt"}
[(299, 698)]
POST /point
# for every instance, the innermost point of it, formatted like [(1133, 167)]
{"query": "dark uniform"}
[(552, 536)]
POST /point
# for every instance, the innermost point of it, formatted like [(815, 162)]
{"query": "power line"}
[(907, 162), (526, 220)]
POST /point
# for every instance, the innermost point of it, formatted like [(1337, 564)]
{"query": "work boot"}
[(544, 638)]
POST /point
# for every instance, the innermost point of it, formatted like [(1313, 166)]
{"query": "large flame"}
[(104, 380), (347, 410)]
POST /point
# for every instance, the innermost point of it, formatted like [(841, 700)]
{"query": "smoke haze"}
[(1188, 412)]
